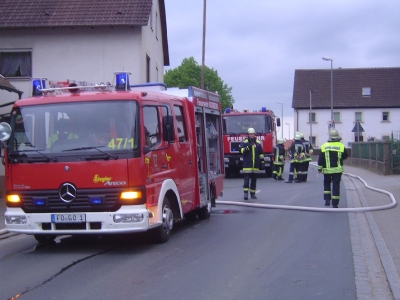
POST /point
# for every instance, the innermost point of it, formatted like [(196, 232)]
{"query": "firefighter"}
[(253, 161), (308, 151), (330, 163), (279, 160), (296, 154)]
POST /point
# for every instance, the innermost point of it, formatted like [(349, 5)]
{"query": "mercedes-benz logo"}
[(67, 192)]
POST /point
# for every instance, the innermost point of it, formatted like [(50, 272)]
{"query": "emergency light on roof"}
[(227, 110), (263, 109), (37, 85), (122, 81)]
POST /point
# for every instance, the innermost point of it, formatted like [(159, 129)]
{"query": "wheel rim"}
[(168, 219)]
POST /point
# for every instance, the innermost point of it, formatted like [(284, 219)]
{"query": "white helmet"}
[(297, 136), (301, 135), (251, 130), (281, 141), (334, 135)]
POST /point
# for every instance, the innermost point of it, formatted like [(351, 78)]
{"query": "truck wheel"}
[(162, 233), (44, 238)]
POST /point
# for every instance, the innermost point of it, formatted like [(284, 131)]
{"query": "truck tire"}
[(44, 238), (162, 233)]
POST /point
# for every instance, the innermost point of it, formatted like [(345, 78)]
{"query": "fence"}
[(382, 157)]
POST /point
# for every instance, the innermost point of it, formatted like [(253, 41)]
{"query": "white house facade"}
[(365, 104), (378, 124)]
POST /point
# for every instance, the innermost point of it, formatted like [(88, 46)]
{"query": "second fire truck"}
[(235, 125)]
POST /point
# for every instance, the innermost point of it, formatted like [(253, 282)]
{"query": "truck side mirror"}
[(278, 122), (168, 128), (5, 131)]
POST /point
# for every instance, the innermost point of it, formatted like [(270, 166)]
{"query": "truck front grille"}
[(51, 202)]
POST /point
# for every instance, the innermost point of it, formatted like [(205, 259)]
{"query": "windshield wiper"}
[(38, 151), (96, 147)]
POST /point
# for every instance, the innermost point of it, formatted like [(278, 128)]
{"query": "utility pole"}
[(203, 52)]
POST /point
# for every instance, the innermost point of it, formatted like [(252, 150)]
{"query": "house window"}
[(156, 25), (311, 117), (313, 140), (366, 92), (336, 117), (358, 116), (16, 64), (147, 68), (385, 116), (151, 19)]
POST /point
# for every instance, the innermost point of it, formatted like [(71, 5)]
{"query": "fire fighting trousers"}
[(295, 170), (278, 170), (332, 180), (250, 183)]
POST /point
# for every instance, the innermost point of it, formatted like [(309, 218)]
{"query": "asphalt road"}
[(239, 253)]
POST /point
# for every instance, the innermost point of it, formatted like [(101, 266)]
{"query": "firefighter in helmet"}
[(330, 163), (279, 160), (308, 151), (253, 161), (296, 154)]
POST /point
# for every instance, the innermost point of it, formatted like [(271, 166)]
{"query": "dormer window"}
[(366, 92)]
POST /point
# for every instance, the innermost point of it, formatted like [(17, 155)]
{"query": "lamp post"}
[(282, 116), (309, 117), (289, 129), (331, 60), (203, 49)]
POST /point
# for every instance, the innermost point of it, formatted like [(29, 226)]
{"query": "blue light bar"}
[(227, 110), (263, 109), (37, 85), (96, 200), (38, 202), (122, 81)]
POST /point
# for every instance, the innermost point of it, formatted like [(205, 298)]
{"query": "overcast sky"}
[(256, 46)]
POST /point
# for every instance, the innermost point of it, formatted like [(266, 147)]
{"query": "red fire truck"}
[(103, 160), (235, 125)]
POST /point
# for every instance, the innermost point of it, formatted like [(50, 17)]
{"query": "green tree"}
[(189, 74)]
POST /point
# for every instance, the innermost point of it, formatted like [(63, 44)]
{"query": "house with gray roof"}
[(365, 103), (82, 40)]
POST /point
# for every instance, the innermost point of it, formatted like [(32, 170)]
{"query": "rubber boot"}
[(327, 202), (335, 203), (253, 196), (246, 196)]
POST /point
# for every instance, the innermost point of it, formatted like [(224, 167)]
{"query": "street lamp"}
[(331, 60), (289, 129), (309, 117), (282, 116)]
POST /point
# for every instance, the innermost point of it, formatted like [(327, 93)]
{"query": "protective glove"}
[(262, 165), (319, 171)]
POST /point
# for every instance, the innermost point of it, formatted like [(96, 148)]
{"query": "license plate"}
[(68, 218)]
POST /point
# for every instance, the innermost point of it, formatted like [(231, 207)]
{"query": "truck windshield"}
[(50, 130), (240, 123)]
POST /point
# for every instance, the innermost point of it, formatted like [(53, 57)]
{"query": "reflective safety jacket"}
[(330, 160), (252, 155), (308, 149), (296, 152), (279, 155)]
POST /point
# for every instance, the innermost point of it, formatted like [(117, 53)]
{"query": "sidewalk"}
[(384, 224)]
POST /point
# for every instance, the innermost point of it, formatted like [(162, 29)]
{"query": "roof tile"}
[(54, 13)]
